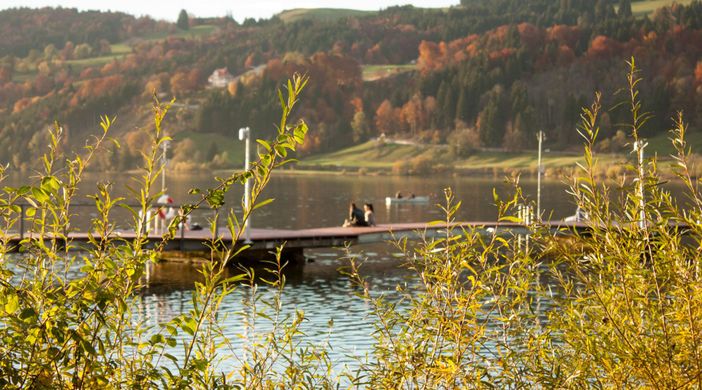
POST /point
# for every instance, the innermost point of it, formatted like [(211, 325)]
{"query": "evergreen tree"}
[(492, 118), (183, 22), (462, 106), (624, 9), (441, 96), (360, 126)]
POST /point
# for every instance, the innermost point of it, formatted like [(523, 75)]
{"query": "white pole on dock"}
[(540, 168), (245, 135), (164, 162), (639, 149)]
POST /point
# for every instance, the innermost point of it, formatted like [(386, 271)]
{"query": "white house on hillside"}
[(220, 78)]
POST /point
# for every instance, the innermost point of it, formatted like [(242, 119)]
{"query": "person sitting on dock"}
[(356, 217), (369, 214), (165, 212)]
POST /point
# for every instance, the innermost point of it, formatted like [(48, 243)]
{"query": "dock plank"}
[(267, 239)]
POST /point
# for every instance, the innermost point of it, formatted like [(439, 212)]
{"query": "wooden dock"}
[(264, 241)]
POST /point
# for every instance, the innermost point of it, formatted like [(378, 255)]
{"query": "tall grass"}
[(617, 307)]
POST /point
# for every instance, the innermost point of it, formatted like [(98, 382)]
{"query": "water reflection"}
[(317, 288)]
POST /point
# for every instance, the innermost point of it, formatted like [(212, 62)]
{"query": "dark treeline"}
[(483, 74), (25, 29)]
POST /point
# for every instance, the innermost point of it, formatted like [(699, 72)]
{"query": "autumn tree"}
[(413, 114), (384, 117)]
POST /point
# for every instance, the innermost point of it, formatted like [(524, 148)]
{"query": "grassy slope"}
[(293, 15), (374, 156), (641, 8), (203, 141), (376, 72)]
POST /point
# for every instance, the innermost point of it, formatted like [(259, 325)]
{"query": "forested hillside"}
[(482, 74)]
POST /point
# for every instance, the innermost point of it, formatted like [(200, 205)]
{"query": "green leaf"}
[(263, 203), (12, 304), (50, 184), (40, 195), (157, 339), (509, 218), (171, 357), (264, 144), (27, 314), (233, 279), (189, 326)]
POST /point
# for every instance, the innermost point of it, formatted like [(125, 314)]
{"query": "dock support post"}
[(182, 235), (21, 221), (540, 169), (245, 135)]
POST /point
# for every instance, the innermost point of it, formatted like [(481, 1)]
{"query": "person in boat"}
[(412, 195), (356, 217), (369, 214), (398, 195)]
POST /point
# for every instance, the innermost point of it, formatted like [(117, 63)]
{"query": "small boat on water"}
[(389, 200)]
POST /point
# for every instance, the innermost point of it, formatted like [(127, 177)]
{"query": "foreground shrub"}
[(66, 329), (618, 306)]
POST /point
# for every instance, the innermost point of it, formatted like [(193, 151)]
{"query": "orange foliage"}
[(698, 72), (252, 60), (357, 104), (502, 54), (67, 51), (5, 74), (651, 37), (183, 82), (603, 47), (96, 87), (429, 54), (566, 55), (152, 86), (43, 84), (384, 117), (21, 105), (374, 55), (274, 69), (87, 73), (137, 141), (530, 35), (109, 68), (562, 34), (498, 35)]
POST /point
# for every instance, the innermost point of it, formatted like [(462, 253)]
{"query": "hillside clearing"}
[(377, 72), (642, 8), (388, 155), (326, 14)]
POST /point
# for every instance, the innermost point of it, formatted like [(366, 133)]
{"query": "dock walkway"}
[(264, 241)]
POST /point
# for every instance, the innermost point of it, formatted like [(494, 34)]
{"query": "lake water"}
[(306, 201), (317, 287)]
